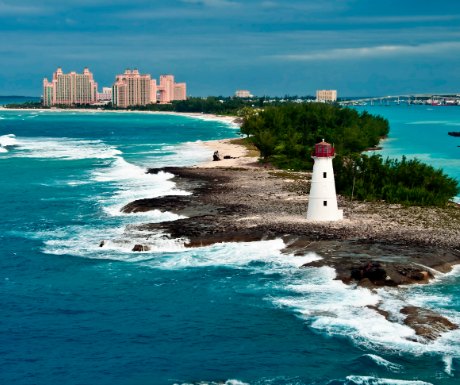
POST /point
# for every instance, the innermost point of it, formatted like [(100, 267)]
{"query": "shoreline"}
[(377, 245), (230, 120), (368, 249)]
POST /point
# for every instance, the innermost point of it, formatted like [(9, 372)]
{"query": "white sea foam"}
[(132, 182), (184, 154), (85, 241), (447, 360), (238, 255), (228, 382), (8, 140), (63, 148), (391, 366), (368, 380), (343, 310)]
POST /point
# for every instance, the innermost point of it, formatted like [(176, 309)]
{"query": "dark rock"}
[(373, 271), (367, 283), (102, 243), (141, 248), (427, 323), (380, 311)]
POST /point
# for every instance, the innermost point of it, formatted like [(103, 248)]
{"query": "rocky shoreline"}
[(377, 245)]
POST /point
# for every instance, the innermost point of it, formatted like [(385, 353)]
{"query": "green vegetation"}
[(35, 105), (409, 182), (286, 135), (219, 105), (210, 105)]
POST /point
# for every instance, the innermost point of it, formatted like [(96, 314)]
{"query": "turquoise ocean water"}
[(422, 132), (75, 313)]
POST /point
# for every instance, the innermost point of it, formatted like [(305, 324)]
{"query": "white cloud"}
[(382, 51), (19, 10)]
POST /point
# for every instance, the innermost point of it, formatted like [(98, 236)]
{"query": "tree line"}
[(285, 136)]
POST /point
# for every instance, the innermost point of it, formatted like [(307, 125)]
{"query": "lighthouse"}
[(322, 203)]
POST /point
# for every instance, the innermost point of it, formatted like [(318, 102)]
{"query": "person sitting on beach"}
[(216, 156)]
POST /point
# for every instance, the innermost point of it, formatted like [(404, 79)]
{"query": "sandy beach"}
[(232, 120)]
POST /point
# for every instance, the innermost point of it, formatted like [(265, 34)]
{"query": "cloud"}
[(381, 51), (19, 10)]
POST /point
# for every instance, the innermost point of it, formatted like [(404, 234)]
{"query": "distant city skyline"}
[(130, 88), (358, 47)]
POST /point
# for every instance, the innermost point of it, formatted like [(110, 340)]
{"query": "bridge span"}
[(428, 98)]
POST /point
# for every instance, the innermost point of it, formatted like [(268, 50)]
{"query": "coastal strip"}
[(230, 120), (377, 245)]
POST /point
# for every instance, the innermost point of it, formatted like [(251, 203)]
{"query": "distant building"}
[(180, 91), (69, 89), (135, 89), (166, 88), (105, 95), (243, 94), (326, 96)]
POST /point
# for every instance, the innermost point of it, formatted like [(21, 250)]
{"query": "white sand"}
[(237, 152)]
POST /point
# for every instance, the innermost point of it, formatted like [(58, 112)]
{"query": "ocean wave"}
[(184, 154), (341, 310), (368, 380), (8, 140), (391, 366), (131, 182), (62, 148), (228, 382)]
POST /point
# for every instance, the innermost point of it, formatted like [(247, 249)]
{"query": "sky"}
[(270, 47)]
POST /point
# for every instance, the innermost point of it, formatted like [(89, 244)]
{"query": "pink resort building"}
[(69, 89), (135, 89), (326, 96), (243, 94), (105, 96)]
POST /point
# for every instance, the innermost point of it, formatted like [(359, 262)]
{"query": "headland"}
[(378, 245)]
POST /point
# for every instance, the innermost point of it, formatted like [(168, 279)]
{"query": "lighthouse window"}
[(324, 203), (324, 174)]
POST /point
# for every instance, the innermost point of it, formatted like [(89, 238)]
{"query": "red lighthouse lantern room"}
[(323, 150)]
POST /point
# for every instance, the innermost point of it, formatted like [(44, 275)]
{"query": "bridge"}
[(428, 98)]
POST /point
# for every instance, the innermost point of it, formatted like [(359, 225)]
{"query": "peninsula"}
[(376, 245)]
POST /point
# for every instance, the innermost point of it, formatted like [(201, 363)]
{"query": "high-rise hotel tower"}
[(134, 89), (69, 89)]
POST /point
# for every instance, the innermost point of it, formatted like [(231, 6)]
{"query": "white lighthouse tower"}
[(322, 203)]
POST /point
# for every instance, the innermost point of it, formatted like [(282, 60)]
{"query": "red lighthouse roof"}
[(323, 150)]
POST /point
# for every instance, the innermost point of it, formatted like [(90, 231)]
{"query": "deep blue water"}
[(75, 313)]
